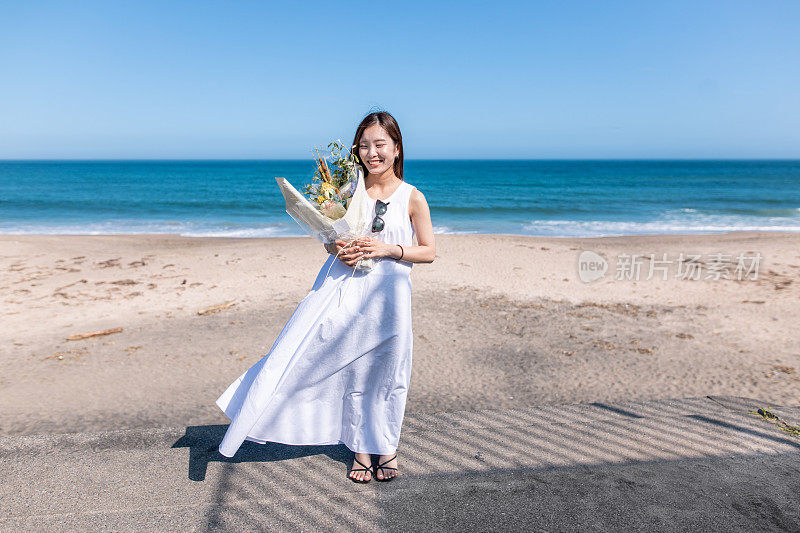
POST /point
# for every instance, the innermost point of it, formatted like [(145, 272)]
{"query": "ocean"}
[(517, 197)]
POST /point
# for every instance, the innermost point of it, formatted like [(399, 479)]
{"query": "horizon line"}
[(178, 159)]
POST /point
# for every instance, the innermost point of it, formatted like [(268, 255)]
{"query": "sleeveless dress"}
[(339, 371)]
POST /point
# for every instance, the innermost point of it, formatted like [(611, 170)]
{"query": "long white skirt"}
[(337, 373)]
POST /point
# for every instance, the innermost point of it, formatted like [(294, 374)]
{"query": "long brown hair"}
[(387, 122)]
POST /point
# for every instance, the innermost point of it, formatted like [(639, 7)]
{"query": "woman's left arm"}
[(425, 252)]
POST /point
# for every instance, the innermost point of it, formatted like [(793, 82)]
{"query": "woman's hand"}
[(377, 248), (349, 254)]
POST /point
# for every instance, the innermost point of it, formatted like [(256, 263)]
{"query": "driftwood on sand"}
[(79, 336), (215, 308)]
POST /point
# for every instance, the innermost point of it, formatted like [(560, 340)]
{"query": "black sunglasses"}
[(380, 209)]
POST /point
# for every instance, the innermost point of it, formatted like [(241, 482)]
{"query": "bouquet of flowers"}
[(337, 206), (333, 191)]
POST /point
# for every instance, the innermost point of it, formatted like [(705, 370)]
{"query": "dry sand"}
[(499, 321)]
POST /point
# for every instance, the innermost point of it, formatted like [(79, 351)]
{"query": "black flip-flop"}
[(365, 469), (381, 467)]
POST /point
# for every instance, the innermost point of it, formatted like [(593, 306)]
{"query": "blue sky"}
[(561, 79)]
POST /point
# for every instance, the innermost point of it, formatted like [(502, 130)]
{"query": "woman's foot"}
[(357, 473), (386, 469)]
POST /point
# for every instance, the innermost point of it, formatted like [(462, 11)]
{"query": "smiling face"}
[(377, 150)]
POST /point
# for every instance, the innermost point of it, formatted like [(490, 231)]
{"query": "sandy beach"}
[(499, 321)]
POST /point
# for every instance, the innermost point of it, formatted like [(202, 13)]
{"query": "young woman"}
[(339, 372)]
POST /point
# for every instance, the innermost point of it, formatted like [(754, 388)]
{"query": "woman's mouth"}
[(374, 163)]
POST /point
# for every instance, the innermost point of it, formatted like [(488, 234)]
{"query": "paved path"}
[(697, 464)]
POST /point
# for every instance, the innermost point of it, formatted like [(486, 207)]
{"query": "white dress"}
[(337, 373)]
